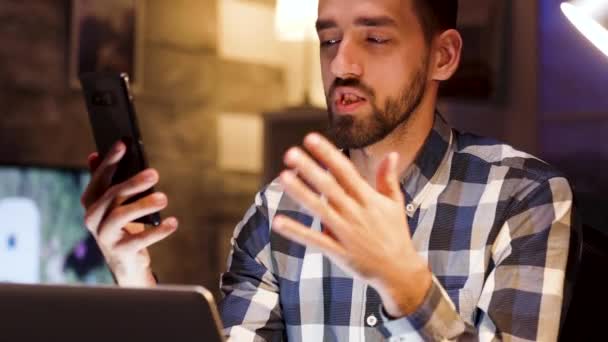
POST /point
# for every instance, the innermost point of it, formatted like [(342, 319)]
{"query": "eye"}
[(329, 42), (377, 40)]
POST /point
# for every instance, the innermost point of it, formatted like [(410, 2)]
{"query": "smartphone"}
[(112, 116)]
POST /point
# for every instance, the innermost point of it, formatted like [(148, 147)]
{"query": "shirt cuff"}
[(435, 319)]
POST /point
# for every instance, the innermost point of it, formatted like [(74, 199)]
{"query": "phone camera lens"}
[(102, 98)]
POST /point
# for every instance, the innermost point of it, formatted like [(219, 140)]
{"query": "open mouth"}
[(347, 102), (348, 99)]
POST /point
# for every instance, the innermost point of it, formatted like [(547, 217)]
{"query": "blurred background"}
[(222, 87)]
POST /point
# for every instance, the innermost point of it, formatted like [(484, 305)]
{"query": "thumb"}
[(387, 178), (93, 160)]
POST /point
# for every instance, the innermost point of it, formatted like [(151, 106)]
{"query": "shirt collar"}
[(430, 165)]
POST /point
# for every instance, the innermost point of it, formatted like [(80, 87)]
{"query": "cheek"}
[(387, 80), (326, 75), (396, 67)]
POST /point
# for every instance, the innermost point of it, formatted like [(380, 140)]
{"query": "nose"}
[(346, 63)]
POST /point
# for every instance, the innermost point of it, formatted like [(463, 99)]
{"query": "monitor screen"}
[(42, 235)]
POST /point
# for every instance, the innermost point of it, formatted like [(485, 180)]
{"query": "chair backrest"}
[(586, 291)]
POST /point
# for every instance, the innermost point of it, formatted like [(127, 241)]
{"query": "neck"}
[(407, 140)]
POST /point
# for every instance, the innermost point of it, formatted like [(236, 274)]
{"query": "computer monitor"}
[(103, 313), (42, 235)]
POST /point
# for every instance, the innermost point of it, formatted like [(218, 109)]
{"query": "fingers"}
[(103, 174), (134, 228), (93, 161), (138, 184), (111, 228), (318, 178), (387, 178), (339, 166), (309, 199), (147, 238), (303, 235)]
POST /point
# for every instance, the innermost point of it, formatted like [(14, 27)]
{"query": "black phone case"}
[(112, 117)]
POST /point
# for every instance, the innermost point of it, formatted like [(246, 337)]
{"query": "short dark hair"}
[(436, 16)]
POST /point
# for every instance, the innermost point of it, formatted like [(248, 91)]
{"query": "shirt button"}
[(372, 320), (410, 208)]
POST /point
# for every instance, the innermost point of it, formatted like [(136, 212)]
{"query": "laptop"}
[(104, 313)]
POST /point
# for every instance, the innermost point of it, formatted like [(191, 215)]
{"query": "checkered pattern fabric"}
[(494, 224)]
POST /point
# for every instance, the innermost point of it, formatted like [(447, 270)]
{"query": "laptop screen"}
[(42, 235)]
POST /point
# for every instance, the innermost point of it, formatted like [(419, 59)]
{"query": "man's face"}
[(374, 61)]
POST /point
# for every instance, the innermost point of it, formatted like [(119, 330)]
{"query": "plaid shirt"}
[(493, 223)]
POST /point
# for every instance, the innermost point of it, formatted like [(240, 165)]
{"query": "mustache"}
[(353, 83)]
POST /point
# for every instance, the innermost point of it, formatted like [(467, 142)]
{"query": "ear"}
[(447, 49)]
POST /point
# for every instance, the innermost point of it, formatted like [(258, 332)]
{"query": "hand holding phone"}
[(112, 117), (120, 194)]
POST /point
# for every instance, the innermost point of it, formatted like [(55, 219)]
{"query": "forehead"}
[(344, 11)]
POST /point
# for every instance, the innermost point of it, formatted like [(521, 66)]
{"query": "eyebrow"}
[(325, 24), (360, 21), (375, 21)]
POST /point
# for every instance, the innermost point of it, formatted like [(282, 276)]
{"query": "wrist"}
[(402, 293), (142, 278)]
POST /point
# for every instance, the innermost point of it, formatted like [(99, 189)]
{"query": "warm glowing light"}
[(295, 19), (582, 17)]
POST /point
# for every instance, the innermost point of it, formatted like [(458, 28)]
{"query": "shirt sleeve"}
[(250, 308), (522, 296)]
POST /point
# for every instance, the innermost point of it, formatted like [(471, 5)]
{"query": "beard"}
[(348, 132)]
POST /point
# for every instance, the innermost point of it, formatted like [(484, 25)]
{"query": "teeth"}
[(349, 98)]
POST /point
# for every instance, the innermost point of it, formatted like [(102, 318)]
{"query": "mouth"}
[(348, 100)]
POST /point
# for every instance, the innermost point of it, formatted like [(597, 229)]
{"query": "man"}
[(410, 230)]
